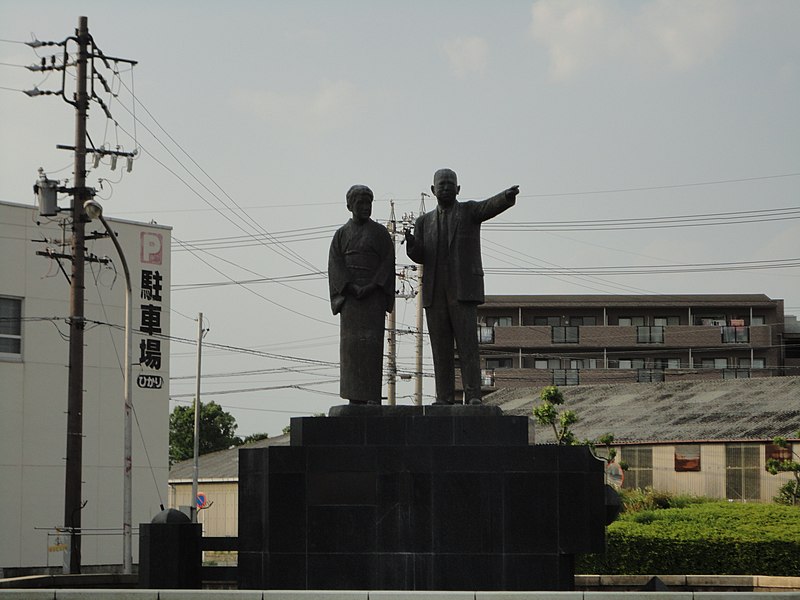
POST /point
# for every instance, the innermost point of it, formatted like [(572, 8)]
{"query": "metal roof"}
[(685, 411), (222, 465)]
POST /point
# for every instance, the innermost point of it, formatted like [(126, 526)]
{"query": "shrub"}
[(708, 538), (649, 499)]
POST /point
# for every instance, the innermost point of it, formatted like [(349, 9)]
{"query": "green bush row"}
[(711, 538)]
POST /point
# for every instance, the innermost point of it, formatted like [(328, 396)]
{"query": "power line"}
[(784, 263), (286, 252), (255, 293), (661, 187)]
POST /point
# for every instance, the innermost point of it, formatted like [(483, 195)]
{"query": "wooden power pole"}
[(72, 488)]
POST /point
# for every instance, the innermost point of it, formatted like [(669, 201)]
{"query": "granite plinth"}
[(408, 501)]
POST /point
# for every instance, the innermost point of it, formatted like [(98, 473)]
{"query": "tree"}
[(789, 493), (547, 413), (217, 431), (254, 437)]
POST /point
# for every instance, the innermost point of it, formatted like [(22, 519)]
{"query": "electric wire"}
[(286, 252)]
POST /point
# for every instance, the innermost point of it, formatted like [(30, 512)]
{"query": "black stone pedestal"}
[(413, 498), (169, 552)]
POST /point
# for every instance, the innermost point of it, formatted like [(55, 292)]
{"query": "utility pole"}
[(418, 345), (74, 459), (197, 405), (46, 192), (391, 331)]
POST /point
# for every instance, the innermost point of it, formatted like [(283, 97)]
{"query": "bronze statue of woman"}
[(361, 277)]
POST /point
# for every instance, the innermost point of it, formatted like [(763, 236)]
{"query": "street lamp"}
[(94, 210)]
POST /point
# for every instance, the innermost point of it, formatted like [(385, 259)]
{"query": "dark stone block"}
[(531, 515), (285, 571), (415, 459), (394, 571), (468, 571), (286, 513), (388, 431), (253, 493), (170, 555), (462, 410), (321, 431), (430, 431), (351, 571), (347, 529), (455, 501), (465, 512), (369, 410), (250, 572), (285, 459), (337, 487), (491, 431), (321, 459), (535, 571)]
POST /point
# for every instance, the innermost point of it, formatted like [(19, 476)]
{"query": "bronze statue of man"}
[(361, 275), (447, 241)]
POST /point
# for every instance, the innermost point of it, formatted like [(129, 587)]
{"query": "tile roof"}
[(719, 410), (221, 465)]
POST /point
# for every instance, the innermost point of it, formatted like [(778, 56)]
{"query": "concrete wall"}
[(33, 388)]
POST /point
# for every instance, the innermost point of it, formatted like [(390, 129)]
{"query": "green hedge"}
[(717, 538)]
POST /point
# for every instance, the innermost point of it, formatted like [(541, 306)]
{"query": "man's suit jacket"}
[(465, 246)]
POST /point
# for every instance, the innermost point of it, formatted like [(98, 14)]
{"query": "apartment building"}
[(593, 339)]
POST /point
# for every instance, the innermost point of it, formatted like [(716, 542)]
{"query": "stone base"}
[(399, 498)]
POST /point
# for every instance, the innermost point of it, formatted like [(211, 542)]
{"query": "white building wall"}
[(710, 480), (33, 391)]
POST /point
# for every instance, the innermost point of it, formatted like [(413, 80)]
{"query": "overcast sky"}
[(681, 116)]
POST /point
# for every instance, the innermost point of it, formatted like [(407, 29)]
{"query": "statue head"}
[(445, 187), (359, 202)]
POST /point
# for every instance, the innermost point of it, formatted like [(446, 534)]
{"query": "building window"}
[(649, 375), (758, 320), (583, 320), (650, 334), (10, 327), (710, 320), (498, 321), (630, 321), (565, 334), (547, 363), (550, 321), (487, 377), (566, 377), (756, 363), (735, 335), (779, 453), (630, 363), (736, 374), (498, 363), (667, 363), (640, 467), (664, 321), (583, 363), (742, 472), (687, 457), (485, 334), (714, 363)]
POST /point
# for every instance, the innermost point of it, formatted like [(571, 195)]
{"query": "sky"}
[(656, 145)]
